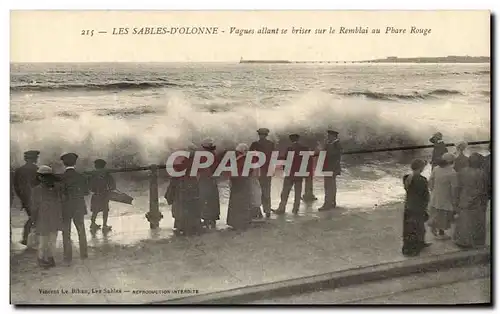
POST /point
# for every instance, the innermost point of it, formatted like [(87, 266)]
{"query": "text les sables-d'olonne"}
[(264, 30)]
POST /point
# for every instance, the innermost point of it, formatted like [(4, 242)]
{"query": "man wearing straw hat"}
[(24, 181), (75, 188), (267, 147)]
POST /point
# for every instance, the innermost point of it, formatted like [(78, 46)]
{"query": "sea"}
[(135, 114)]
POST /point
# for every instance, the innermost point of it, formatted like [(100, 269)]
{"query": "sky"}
[(56, 36)]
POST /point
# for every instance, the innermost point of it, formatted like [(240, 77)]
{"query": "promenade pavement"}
[(122, 264)]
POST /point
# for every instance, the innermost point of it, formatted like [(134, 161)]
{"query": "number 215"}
[(87, 32)]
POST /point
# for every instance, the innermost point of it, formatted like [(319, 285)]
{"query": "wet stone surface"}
[(158, 265)]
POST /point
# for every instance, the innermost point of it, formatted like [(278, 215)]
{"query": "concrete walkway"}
[(166, 267)]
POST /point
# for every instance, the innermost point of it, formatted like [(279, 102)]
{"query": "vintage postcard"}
[(250, 157)]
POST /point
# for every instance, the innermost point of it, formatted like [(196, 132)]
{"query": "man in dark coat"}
[(75, 188), (332, 164), (309, 196), (267, 147), (292, 180), (24, 181)]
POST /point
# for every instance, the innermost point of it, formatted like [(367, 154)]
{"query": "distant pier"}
[(448, 59)]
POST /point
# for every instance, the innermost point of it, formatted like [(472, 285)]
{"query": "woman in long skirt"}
[(183, 195), (239, 212), (417, 198), (209, 192), (470, 228), (443, 186)]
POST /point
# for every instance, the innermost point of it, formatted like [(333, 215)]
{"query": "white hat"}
[(242, 147), (44, 170)]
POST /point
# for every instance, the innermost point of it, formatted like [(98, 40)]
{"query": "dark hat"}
[(69, 156), (263, 131), (333, 132), (293, 137), (438, 136), (31, 154), (100, 162)]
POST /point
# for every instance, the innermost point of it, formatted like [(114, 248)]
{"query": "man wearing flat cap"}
[(267, 147), (75, 188), (24, 181), (332, 163), (292, 180)]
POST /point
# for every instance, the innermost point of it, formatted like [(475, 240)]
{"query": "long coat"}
[(184, 195), (47, 208), (417, 198), (333, 155), (239, 212), (443, 186), (209, 192), (470, 229), (24, 181), (74, 188)]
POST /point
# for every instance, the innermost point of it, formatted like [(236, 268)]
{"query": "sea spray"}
[(149, 138)]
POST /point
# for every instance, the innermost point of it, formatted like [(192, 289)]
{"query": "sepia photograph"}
[(250, 157)]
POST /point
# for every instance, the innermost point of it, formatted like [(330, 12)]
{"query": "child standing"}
[(101, 184)]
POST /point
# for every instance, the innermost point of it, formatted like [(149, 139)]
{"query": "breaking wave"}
[(414, 95), (179, 122)]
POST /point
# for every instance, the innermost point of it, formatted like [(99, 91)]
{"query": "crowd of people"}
[(195, 200), (456, 192), (54, 202)]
